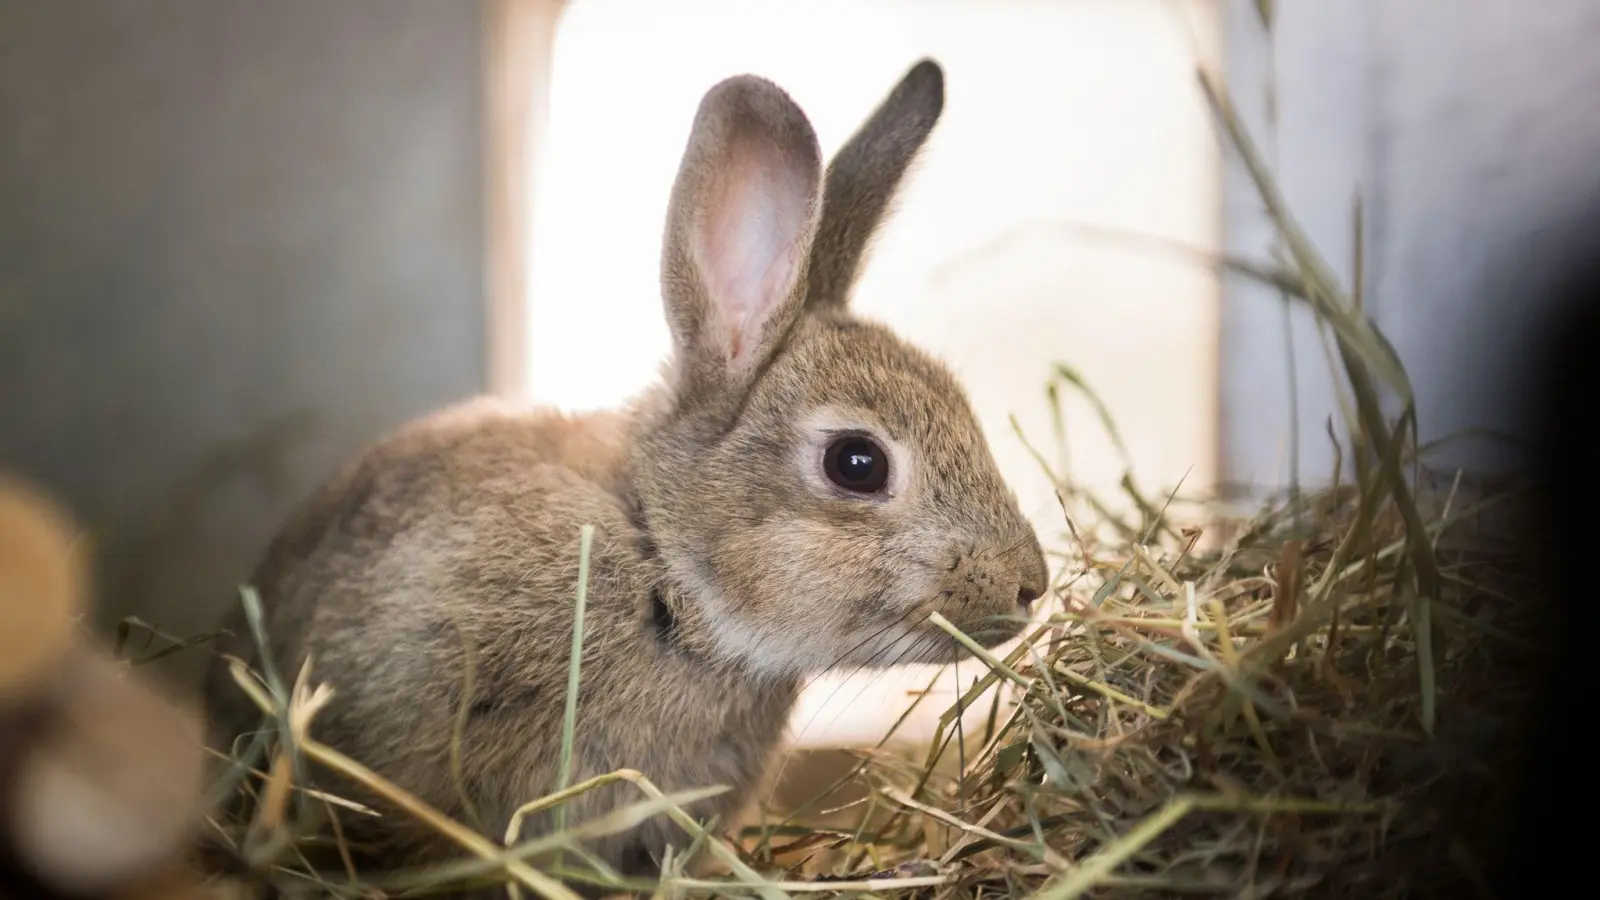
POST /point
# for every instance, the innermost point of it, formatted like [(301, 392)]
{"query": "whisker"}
[(870, 663), (777, 778), (831, 667), (1021, 542)]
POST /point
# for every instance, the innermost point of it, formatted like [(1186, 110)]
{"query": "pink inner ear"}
[(755, 210)]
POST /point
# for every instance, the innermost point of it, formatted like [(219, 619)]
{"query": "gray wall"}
[(1470, 128), (237, 239)]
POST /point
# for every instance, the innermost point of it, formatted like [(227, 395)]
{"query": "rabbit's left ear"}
[(740, 224)]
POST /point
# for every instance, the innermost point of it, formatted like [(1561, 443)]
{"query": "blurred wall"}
[(1468, 128), (237, 240)]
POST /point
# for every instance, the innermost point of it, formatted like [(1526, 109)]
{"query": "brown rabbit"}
[(99, 772), (799, 492)]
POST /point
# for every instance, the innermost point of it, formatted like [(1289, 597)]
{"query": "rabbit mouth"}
[(908, 641)]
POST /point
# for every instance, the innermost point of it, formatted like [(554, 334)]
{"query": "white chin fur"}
[(801, 651), (763, 652), (897, 646)]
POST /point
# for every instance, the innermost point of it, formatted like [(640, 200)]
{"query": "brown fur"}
[(725, 569)]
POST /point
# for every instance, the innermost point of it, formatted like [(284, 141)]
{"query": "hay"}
[(1301, 701), (1202, 722)]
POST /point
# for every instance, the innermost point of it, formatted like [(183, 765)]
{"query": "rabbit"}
[(100, 771), (798, 492)]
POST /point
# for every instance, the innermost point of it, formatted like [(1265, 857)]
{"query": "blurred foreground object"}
[(100, 774)]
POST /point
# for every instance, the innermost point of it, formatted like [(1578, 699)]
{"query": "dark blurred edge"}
[(1550, 780)]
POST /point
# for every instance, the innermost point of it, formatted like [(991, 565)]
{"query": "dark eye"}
[(856, 464)]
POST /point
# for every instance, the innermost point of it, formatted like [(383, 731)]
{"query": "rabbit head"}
[(817, 485)]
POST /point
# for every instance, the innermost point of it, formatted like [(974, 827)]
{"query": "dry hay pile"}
[(1245, 722)]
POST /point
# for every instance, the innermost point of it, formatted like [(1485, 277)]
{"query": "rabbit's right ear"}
[(739, 229), (864, 177)]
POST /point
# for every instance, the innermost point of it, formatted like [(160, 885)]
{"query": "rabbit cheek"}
[(794, 598)]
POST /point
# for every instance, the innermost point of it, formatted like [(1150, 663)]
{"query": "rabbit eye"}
[(856, 464)]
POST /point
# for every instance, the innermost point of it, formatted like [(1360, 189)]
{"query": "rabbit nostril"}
[(1025, 597)]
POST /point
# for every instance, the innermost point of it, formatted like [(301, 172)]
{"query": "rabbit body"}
[(799, 492), (454, 544)]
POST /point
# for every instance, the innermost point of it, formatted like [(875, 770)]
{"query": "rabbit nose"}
[(1034, 578), (1025, 597)]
